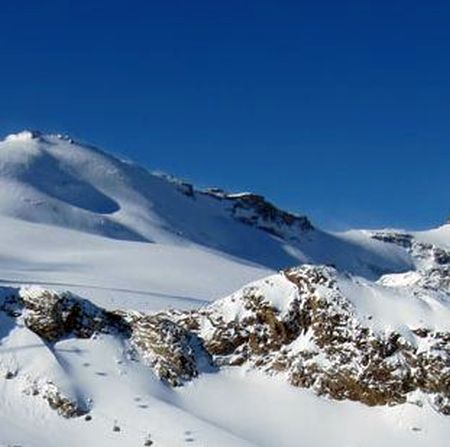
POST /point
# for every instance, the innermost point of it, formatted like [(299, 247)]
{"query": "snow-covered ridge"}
[(54, 180), (251, 209), (72, 184)]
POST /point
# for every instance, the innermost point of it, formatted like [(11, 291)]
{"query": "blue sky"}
[(340, 110)]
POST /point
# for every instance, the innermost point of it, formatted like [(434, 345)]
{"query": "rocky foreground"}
[(312, 326)]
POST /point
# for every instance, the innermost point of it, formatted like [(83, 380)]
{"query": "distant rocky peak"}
[(421, 252), (251, 209), (256, 211)]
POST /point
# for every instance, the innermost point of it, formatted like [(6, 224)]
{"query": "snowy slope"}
[(53, 180), (117, 273), (273, 364), (110, 230)]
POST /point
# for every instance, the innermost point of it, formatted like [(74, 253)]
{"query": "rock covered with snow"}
[(307, 326), (424, 253), (174, 354), (341, 336)]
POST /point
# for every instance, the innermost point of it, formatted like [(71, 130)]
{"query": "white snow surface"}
[(73, 217), (50, 179)]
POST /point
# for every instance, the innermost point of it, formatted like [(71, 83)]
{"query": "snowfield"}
[(200, 288)]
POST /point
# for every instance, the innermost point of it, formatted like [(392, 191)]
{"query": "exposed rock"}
[(404, 240), (174, 353), (170, 350), (255, 210), (186, 188), (420, 251), (54, 315), (63, 405), (308, 331), (437, 279), (318, 341), (251, 209)]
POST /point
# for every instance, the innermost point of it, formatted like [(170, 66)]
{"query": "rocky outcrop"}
[(404, 240), (174, 353), (63, 405), (319, 341), (53, 315), (436, 279), (300, 324), (255, 210), (420, 251)]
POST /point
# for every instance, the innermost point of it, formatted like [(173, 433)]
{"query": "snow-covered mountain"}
[(53, 180), (331, 339)]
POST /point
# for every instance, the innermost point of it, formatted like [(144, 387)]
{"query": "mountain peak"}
[(30, 135), (24, 135)]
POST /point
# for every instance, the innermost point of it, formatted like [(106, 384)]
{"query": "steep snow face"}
[(51, 179)]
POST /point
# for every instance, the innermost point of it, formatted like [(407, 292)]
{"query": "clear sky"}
[(337, 109)]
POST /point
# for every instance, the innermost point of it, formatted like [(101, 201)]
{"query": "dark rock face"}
[(441, 256), (256, 211), (186, 188), (173, 353), (169, 349), (253, 210), (437, 279)]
